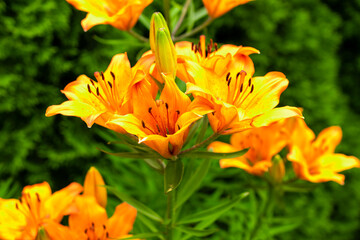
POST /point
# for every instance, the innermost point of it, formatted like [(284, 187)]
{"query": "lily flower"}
[(218, 8), (263, 143), (162, 124), (313, 159), (121, 14), (35, 211), (225, 78), (94, 185), (101, 100)]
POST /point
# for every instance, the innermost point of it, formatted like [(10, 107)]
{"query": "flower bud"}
[(42, 234), (277, 170), (162, 45), (94, 186)]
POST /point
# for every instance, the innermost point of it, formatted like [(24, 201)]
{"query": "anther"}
[(107, 234), (110, 84), (143, 124), (237, 75), (102, 75), (192, 46), (104, 227), (85, 230), (178, 126), (113, 75), (216, 46), (249, 82), (229, 81), (38, 197), (97, 91), (241, 87), (178, 112), (158, 128), (252, 89), (17, 206), (213, 113), (149, 110), (92, 82), (88, 87), (93, 225), (227, 76), (167, 106)]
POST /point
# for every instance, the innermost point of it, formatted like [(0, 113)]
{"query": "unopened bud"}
[(277, 170), (162, 45), (94, 186)]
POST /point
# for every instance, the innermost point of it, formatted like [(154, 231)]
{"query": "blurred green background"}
[(314, 42)]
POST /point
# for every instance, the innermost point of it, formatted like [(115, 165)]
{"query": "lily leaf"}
[(173, 174), (196, 232), (134, 155), (136, 204), (214, 212), (214, 155), (193, 183), (144, 235)]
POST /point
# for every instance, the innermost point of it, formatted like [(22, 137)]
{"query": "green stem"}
[(265, 211), (181, 19), (196, 146), (170, 214), (137, 36), (195, 30), (166, 5)]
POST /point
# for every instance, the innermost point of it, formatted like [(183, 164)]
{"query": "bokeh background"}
[(314, 42)]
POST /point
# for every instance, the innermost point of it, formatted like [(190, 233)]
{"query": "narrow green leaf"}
[(214, 212), (144, 235), (121, 42), (134, 155), (275, 230), (193, 183), (196, 232), (136, 204), (147, 222), (214, 155), (144, 20), (298, 187), (173, 174)]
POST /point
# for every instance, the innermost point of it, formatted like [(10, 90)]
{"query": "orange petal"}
[(276, 114), (94, 186), (59, 203), (122, 221), (217, 8)]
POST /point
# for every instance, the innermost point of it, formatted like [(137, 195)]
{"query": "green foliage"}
[(314, 42)]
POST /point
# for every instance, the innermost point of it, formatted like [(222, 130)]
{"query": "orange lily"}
[(121, 14), (162, 124), (224, 78), (217, 8), (263, 143), (36, 210), (101, 100), (313, 159)]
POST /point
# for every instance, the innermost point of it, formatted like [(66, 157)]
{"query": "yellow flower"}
[(217, 8), (101, 100), (35, 211), (225, 78), (162, 124), (313, 159), (263, 143), (121, 14)]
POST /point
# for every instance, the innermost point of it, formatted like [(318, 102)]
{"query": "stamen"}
[(143, 124), (229, 81), (167, 106), (86, 230), (88, 87), (216, 47), (38, 197), (158, 128), (149, 110), (104, 226), (241, 88), (97, 91), (249, 82), (109, 84), (113, 75), (17, 206), (178, 127), (178, 112), (227, 76), (252, 89), (192, 46), (102, 76)]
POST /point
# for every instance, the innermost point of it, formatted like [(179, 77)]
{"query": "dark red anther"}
[(113, 75)]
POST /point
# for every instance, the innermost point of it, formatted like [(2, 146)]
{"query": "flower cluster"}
[(37, 213), (313, 159)]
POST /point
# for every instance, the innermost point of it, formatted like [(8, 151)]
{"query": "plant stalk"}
[(195, 30), (181, 19), (166, 5), (170, 214), (138, 36)]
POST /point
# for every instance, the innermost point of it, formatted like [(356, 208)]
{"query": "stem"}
[(138, 36), (170, 213), (195, 30), (166, 4), (267, 210), (209, 139), (181, 19)]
